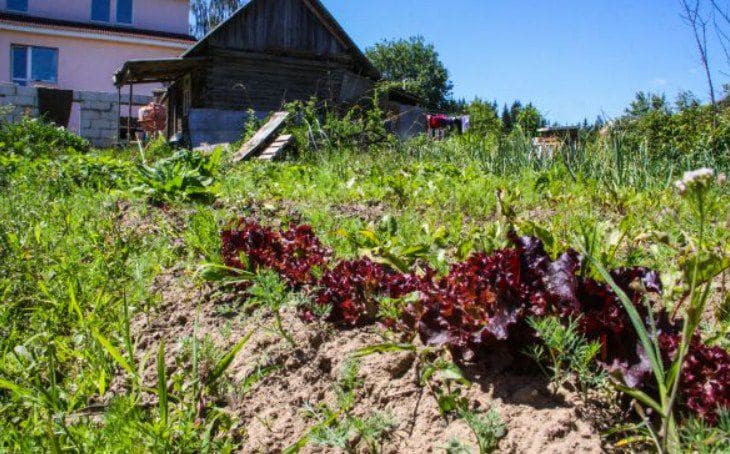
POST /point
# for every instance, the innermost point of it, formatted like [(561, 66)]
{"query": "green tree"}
[(515, 110), (415, 66), (686, 100), (646, 103), (530, 120), (484, 118), (507, 120), (207, 14)]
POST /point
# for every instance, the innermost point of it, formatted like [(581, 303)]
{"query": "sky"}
[(573, 59)]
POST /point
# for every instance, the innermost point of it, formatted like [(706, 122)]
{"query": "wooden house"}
[(268, 53)]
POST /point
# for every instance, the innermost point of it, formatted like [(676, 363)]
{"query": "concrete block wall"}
[(19, 100), (99, 111)]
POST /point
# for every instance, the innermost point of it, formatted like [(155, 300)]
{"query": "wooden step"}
[(262, 138), (276, 149)]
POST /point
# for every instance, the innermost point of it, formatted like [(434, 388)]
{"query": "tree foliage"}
[(415, 66), (673, 131), (207, 14)]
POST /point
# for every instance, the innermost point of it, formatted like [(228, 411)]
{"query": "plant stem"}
[(671, 438)]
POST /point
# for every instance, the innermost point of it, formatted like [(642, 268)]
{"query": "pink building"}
[(79, 44)]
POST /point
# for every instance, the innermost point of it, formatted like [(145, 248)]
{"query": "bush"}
[(33, 138), (316, 127), (672, 134)]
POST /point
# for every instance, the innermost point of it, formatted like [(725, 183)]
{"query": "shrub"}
[(33, 138)]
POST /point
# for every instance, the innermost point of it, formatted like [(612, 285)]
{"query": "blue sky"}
[(574, 59)]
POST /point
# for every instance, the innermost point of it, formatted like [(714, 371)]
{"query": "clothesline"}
[(439, 123)]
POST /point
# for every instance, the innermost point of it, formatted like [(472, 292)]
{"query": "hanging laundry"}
[(438, 121), (464, 122)]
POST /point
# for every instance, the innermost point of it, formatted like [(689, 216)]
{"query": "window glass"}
[(19, 57), (124, 11), (44, 64), (18, 5), (100, 10)]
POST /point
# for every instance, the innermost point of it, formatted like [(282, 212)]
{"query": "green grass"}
[(79, 250)]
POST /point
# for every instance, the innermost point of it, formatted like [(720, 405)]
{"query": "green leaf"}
[(709, 265), (637, 322), (213, 272), (162, 383), (451, 371), (640, 396), (371, 237), (225, 362), (113, 352), (23, 393), (383, 348)]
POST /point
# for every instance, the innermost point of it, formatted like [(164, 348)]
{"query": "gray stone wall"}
[(99, 111)]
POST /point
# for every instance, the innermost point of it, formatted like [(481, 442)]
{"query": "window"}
[(124, 11), (100, 10), (34, 64), (18, 5)]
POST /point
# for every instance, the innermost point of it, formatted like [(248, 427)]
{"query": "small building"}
[(268, 53), (552, 139)]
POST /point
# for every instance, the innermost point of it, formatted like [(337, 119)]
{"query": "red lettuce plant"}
[(484, 301), (293, 253)]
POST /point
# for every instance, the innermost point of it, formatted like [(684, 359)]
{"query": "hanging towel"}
[(55, 105)]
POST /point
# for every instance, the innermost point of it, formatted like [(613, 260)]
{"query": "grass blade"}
[(114, 352), (637, 322), (383, 348), (225, 362), (162, 383)]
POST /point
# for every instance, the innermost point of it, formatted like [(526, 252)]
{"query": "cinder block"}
[(88, 96), (7, 89), (24, 100), (103, 106), (92, 115), (102, 124), (26, 91)]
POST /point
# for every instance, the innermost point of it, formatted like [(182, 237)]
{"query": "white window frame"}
[(29, 65), (116, 13)]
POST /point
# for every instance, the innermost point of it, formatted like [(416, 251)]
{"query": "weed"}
[(566, 352), (488, 427), (269, 291), (339, 427)]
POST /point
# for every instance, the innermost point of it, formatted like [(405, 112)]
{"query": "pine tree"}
[(507, 121), (515, 111)]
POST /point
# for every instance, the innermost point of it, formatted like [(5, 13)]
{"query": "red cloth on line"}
[(438, 121)]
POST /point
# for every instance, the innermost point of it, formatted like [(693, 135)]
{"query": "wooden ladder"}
[(275, 150), (263, 137)]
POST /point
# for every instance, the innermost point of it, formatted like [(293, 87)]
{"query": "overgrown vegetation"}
[(413, 236)]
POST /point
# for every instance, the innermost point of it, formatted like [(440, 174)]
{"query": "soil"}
[(271, 414)]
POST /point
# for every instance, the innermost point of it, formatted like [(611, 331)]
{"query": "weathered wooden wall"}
[(278, 25), (238, 80), (271, 53)]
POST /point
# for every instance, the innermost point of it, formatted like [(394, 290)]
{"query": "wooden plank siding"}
[(266, 83), (276, 25)]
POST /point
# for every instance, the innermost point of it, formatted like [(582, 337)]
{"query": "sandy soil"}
[(271, 414)]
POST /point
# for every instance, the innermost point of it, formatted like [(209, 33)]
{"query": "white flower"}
[(681, 187), (721, 179), (695, 179)]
